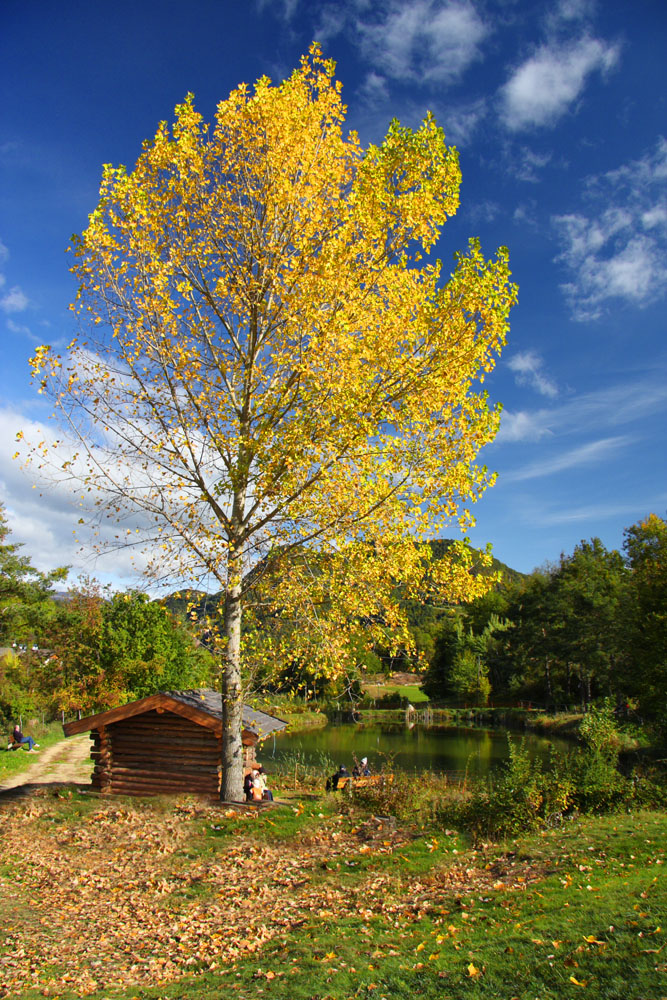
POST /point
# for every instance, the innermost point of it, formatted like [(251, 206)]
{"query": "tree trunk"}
[(231, 784)]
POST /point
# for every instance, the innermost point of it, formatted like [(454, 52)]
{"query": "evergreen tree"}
[(646, 676)]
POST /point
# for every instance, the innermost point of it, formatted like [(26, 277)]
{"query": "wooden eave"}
[(154, 702)]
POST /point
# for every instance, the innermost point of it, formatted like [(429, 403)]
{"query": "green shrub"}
[(523, 795), (510, 801), (598, 729)]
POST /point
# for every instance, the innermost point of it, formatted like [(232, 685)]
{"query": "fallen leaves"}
[(129, 895)]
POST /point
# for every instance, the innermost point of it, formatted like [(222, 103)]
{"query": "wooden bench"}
[(363, 781)]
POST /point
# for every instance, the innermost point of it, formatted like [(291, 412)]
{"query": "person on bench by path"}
[(19, 740)]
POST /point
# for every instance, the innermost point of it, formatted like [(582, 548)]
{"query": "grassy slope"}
[(308, 901), (412, 692)]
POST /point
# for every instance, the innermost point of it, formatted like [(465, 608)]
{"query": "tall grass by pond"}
[(522, 794)]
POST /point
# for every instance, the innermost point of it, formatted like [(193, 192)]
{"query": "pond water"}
[(454, 750)]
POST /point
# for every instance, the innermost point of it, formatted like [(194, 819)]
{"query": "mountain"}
[(198, 604)]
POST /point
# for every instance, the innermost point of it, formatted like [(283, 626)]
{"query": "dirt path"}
[(64, 762)]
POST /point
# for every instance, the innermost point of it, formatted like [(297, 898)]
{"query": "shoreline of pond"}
[(558, 726), (562, 725)]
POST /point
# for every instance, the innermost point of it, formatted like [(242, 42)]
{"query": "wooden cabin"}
[(168, 742)]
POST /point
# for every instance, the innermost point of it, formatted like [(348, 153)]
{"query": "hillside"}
[(200, 605)]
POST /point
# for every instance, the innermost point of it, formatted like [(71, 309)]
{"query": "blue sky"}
[(559, 114)]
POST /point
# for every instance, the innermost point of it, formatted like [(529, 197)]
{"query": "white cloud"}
[(482, 212), (21, 329), (331, 22), (528, 163), (526, 214), (570, 10), (14, 301), (521, 426), (423, 40), (542, 89), (586, 455), (374, 89), (287, 7), (461, 122), (608, 408), (618, 252), (656, 216), (596, 512), (43, 512), (527, 367)]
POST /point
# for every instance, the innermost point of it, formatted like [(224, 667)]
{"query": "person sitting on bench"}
[(361, 770), (19, 740), (259, 789), (332, 783)]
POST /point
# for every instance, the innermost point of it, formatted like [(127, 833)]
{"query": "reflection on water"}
[(452, 749)]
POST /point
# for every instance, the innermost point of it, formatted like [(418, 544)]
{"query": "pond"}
[(455, 750)]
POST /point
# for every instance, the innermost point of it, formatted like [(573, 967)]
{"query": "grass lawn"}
[(169, 898), (13, 761), (412, 692)]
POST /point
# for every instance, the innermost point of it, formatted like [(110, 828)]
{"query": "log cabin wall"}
[(101, 756), (159, 753), (248, 754)]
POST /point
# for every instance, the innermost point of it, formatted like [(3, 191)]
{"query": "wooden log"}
[(147, 788), (121, 789), (159, 750), (168, 761), (194, 731), (159, 777), (165, 745)]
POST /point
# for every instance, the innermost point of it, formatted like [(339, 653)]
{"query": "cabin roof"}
[(211, 702), (201, 705)]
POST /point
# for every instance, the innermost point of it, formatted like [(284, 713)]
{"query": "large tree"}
[(107, 650), (271, 364)]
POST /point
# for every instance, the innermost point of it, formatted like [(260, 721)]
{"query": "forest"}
[(588, 628)]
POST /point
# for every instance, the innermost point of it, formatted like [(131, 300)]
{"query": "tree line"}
[(591, 626), (86, 650)]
